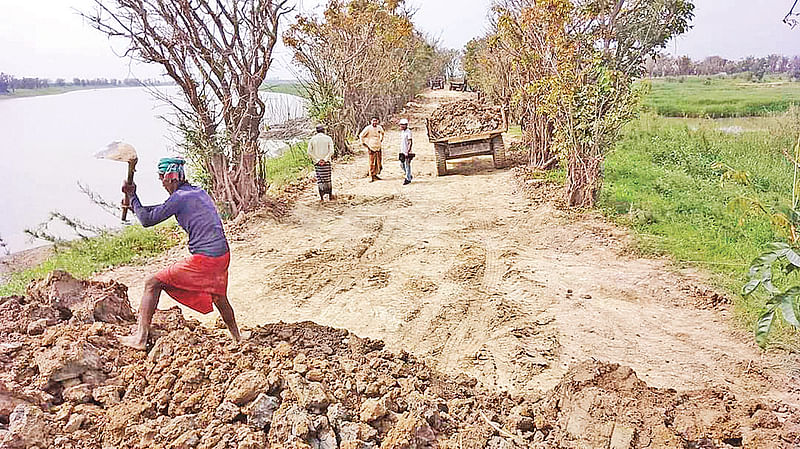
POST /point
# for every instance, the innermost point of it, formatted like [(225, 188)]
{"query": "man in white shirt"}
[(320, 149), (406, 155)]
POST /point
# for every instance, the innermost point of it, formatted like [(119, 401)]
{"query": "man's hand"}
[(129, 189)]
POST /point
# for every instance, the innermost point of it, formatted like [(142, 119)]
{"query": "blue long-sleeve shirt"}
[(196, 214)]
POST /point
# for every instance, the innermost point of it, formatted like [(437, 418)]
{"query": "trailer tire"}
[(498, 152), (441, 158)]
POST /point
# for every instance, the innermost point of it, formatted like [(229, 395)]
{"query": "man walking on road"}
[(372, 138), (196, 282), (406, 155), (320, 149)]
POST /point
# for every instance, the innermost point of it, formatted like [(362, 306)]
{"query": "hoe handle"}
[(125, 201)]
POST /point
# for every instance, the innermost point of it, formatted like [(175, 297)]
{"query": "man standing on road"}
[(196, 282), (372, 139), (406, 155), (320, 149)]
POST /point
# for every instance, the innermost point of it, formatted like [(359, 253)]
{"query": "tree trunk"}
[(339, 135), (539, 135), (584, 179)]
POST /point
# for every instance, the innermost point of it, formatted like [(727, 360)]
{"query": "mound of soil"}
[(67, 383), (461, 118)]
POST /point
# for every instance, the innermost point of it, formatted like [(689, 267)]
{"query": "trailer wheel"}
[(441, 158), (498, 151)]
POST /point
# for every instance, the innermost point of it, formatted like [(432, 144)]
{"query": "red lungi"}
[(192, 281)]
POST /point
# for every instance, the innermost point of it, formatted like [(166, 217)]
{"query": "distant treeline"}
[(668, 65), (10, 83)]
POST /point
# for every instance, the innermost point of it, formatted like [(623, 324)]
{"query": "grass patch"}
[(288, 167), (717, 97), (295, 89), (21, 93), (662, 181), (82, 258)]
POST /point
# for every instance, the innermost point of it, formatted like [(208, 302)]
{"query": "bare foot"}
[(133, 341)]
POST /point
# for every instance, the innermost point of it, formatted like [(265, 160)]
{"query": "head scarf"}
[(171, 168)]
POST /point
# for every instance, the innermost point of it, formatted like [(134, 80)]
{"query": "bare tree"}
[(218, 52), (791, 16)]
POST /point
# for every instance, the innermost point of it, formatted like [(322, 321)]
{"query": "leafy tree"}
[(218, 52), (361, 58), (5, 83), (596, 49)]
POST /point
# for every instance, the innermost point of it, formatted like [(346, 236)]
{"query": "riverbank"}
[(85, 257), (22, 260)]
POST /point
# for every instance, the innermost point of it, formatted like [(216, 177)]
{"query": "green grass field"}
[(21, 93), (285, 88), (716, 97), (665, 180)]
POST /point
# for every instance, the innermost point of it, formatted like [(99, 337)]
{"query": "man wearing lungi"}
[(372, 139), (202, 279), (320, 150)]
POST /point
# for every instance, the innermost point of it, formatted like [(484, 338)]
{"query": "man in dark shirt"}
[(202, 279)]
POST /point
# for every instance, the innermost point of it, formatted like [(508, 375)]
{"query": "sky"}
[(47, 38)]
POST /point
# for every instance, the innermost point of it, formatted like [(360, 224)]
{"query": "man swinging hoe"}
[(200, 281)]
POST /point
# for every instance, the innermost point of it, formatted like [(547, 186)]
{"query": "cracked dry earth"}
[(471, 274)]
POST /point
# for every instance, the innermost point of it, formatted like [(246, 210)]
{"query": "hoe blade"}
[(118, 151)]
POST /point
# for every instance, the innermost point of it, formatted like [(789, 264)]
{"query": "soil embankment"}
[(471, 274), (67, 383)]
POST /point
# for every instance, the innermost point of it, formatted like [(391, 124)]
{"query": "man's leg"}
[(152, 292), (374, 168), (226, 311)]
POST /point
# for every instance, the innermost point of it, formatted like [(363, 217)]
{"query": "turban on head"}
[(171, 168)]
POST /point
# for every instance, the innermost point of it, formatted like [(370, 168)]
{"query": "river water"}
[(47, 146)]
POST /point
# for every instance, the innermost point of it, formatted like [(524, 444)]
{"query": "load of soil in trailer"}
[(463, 118), (66, 383)]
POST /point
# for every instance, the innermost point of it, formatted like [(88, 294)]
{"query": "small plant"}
[(785, 258), (782, 257)]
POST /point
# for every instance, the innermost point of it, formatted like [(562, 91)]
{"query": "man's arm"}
[(153, 215), (362, 135), (330, 149)]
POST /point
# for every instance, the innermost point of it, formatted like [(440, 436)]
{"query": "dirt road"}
[(474, 276)]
